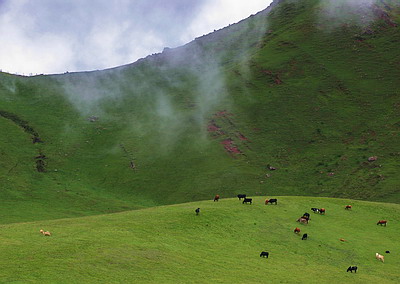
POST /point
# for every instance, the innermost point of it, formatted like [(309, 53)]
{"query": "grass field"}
[(107, 160), (170, 244), (280, 88)]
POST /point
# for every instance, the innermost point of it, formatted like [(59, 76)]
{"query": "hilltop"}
[(291, 101)]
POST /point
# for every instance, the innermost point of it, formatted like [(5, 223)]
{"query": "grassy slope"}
[(336, 106), (221, 245)]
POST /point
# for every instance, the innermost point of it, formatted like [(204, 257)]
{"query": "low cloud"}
[(334, 13)]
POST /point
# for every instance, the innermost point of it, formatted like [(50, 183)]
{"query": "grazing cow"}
[(322, 211), (216, 198), (273, 200), (315, 210), (351, 269), (240, 196), (297, 230), (303, 220), (264, 254), (305, 236), (197, 211), (247, 200), (380, 257), (45, 233), (306, 215), (382, 222), (348, 207)]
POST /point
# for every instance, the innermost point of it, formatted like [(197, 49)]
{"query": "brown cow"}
[(382, 222), (297, 230), (216, 198), (302, 220), (45, 233), (348, 207)]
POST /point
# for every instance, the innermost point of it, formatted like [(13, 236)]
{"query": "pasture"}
[(171, 244), (276, 104)]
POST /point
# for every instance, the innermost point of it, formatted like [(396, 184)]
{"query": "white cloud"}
[(337, 12), (49, 36), (24, 51), (217, 14)]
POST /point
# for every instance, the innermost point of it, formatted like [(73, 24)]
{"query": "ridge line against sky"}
[(56, 36)]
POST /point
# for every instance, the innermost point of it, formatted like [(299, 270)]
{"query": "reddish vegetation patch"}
[(227, 142), (277, 80), (242, 137), (228, 145), (381, 14), (216, 127), (275, 77), (222, 113), (212, 127)]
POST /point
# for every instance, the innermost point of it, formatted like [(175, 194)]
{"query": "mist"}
[(172, 92), (334, 13)]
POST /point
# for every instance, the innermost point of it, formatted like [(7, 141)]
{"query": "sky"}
[(56, 36)]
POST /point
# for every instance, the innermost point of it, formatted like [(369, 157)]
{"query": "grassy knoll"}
[(170, 244)]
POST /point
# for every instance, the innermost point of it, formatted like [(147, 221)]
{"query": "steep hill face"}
[(291, 101)]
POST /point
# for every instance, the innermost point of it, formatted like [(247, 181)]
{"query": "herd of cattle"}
[(304, 220)]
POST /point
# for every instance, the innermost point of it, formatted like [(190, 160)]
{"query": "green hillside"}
[(170, 244), (293, 87)]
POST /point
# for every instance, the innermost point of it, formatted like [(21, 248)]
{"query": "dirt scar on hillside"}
[(222, 126)]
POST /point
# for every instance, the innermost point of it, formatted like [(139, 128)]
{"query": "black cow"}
[(387, 251), (264, 254), (306, 215), (240, 196), (197, 211), (273, 201), (351, 269), (247, 200), (305, 236), (315, 210)]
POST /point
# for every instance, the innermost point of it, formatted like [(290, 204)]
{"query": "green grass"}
[(170, 244), (337, 104), (312, 98)]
